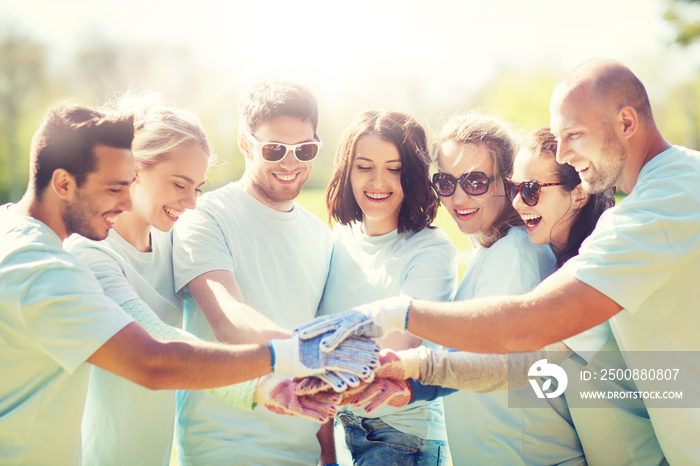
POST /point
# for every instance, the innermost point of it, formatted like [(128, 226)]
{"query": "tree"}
[(23, 79), (684, 15)]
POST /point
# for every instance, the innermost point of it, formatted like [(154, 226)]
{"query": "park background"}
[(431, 59)]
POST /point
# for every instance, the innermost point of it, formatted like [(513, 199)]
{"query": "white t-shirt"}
[(366, 268), (125, 423), (480, 426), (280, 261), (54, 317), (645, 255)]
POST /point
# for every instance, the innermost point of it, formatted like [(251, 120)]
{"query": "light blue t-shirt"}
[(645, 255), (54, 317), (614, 434), (280, 261), (482, 429), (123, 422), (366, 268)]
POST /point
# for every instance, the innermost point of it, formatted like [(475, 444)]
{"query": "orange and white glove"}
[(401, 365), (278, 395), (378, 393)]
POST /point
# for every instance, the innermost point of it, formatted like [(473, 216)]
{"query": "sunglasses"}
[(473, 183), (529, 190), (276, 151)]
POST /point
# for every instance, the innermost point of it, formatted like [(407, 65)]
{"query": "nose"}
[(289, 160), (460, 194), (562, 154), (189, 201), (518, 201), (125, 200)]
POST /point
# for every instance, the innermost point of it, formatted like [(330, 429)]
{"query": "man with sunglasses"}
[(639, 268), (252, 265)]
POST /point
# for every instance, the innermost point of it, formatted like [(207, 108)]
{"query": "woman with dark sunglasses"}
[(474, 155), (563, 216), (384, 246)]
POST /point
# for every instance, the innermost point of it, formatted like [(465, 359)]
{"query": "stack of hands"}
[(336, 362)]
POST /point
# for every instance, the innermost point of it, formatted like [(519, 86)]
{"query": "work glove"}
[(336, 381), (400, 365), (278, 395), (303, 357), (370, 320), (377, 394)]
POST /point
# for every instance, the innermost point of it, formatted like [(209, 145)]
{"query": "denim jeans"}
[(373, 442)]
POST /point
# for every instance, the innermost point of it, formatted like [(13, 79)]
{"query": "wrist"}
[(391, 313), (282, 354)]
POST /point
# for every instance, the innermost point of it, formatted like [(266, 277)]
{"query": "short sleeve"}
[(626, 258), (199, 246), (67, 314), (108, 272), (432, 275)]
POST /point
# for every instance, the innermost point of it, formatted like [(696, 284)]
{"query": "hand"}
[(371, 320), (400, 365), (304, 357), (378, 393), (278, 395), (336, 381)]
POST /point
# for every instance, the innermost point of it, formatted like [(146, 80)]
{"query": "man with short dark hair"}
[(255, 264), (55, 315)]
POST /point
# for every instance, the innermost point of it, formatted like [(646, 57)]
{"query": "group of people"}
[(242, 297)]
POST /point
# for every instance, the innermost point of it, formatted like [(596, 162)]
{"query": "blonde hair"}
[(159, 126), (500, 143)]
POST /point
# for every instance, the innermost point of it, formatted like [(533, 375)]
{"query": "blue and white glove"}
[(371, 320), (304, 357)]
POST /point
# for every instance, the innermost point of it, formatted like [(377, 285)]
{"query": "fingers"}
[(317, 327), (392, 392), (313, 385)]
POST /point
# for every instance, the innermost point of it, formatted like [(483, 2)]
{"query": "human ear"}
[(62, 183), (579, 197), (629, 121), (243, 145)]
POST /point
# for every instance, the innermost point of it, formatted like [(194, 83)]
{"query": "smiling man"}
[(252, 265), (639, 268)]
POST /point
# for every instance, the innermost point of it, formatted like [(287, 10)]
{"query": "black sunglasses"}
[(473, 183), (529, 190)]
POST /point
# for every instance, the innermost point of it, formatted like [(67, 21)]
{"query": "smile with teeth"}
[(377, 196), (286, 176), (172, 212), (110, 218), (531, 220), (465, 211)]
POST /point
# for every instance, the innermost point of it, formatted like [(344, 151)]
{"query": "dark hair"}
[(498, 140), (267, 100), (67, 138), (420, 203), (542, 143)]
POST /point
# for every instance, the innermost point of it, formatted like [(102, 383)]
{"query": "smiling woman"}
[(385, 245)]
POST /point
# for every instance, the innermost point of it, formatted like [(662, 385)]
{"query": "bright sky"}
[(443, 43)]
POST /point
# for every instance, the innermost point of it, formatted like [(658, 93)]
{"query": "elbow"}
[(154, 370)]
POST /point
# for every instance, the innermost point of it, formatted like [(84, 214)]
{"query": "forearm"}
[(220, 299), (133, 354), (558, 308), (484, 372), (238, 395), (326, 438)]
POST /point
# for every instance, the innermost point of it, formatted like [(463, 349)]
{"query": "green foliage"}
[(684, 15)]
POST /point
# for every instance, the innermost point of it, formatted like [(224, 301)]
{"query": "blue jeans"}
[(373, 442)]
